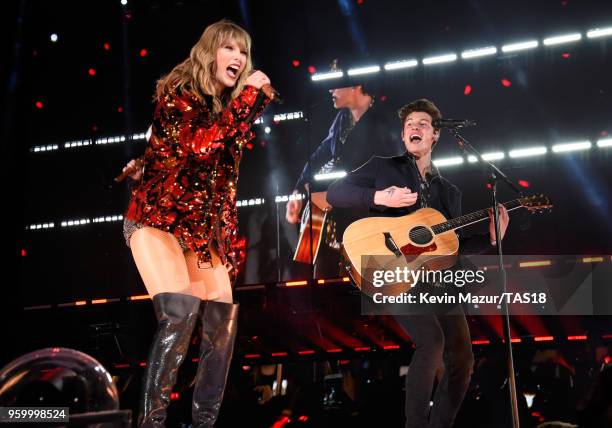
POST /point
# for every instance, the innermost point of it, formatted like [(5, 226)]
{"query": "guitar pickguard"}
[(411, 251)]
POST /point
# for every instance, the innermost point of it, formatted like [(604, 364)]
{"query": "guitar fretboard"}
[(471, 218)]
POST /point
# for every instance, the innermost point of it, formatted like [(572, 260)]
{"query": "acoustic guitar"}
[(312, 233), (424, 238)]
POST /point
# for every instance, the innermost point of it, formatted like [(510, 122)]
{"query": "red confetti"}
[(39, 105), (467, 90), (106, 47), (143, 52), (565, 55), (295, 63), (311, 69), (523, 183), (506, 83), (92, 72)]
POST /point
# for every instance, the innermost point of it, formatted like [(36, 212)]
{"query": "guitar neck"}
[(475, 217)]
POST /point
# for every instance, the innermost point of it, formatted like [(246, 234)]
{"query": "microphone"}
[(269, 91), (453, 123), (272, 93), (139, 164)]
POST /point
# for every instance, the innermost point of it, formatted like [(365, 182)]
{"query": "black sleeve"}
[(477, 243), (322, 154), (356, 189)]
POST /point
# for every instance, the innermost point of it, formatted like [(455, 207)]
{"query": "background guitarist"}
[(358, 132), (396, 186)]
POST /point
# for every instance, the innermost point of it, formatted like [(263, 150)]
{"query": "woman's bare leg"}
[(160, 261), (210, 283)]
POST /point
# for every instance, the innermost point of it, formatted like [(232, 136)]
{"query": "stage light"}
[(124, 2), (487, 156), (327, 76), (606, 142), (475, 53), (566, 38), (71, 223), (311, 69), (513, 47), (143, 53), (565, 55), (537, 263), (599, 32), (53, 37), (531, 151), (39, 105), (543, 338), (364, 70), (106, 46), (107, 219), (295, 283), (110, 140), (579, 337), (570, 147), (440, 59), (267, 130), (506, 83), (330, 175), (295, 63), (40, 226), (448, 161), (592, 260), (529, 399), (467, 90), (523, 183), (47, 148), (288, 116), (91, 72), (250, 202), (286, 198), (397, 65)]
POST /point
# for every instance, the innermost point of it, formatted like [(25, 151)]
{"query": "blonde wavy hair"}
[(196, 74)]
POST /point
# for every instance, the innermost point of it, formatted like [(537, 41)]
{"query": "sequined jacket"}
[(191, 171)]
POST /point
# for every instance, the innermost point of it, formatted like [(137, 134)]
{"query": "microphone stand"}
[(494, 175)]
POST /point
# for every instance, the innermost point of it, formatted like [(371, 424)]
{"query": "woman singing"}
[(181, 220)]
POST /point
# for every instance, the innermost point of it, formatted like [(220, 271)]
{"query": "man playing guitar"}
[(358, 132), (397, 186)]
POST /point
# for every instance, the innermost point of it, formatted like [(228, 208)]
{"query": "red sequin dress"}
[(191, 171)]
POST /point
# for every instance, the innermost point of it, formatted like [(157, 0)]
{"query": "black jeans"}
[(440, 340)]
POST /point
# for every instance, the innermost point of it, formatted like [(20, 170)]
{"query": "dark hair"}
[(423, 105)]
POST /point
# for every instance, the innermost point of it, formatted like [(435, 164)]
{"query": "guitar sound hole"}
[(420, 235)]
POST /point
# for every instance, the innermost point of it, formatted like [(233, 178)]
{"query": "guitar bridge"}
[(391, 245)]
